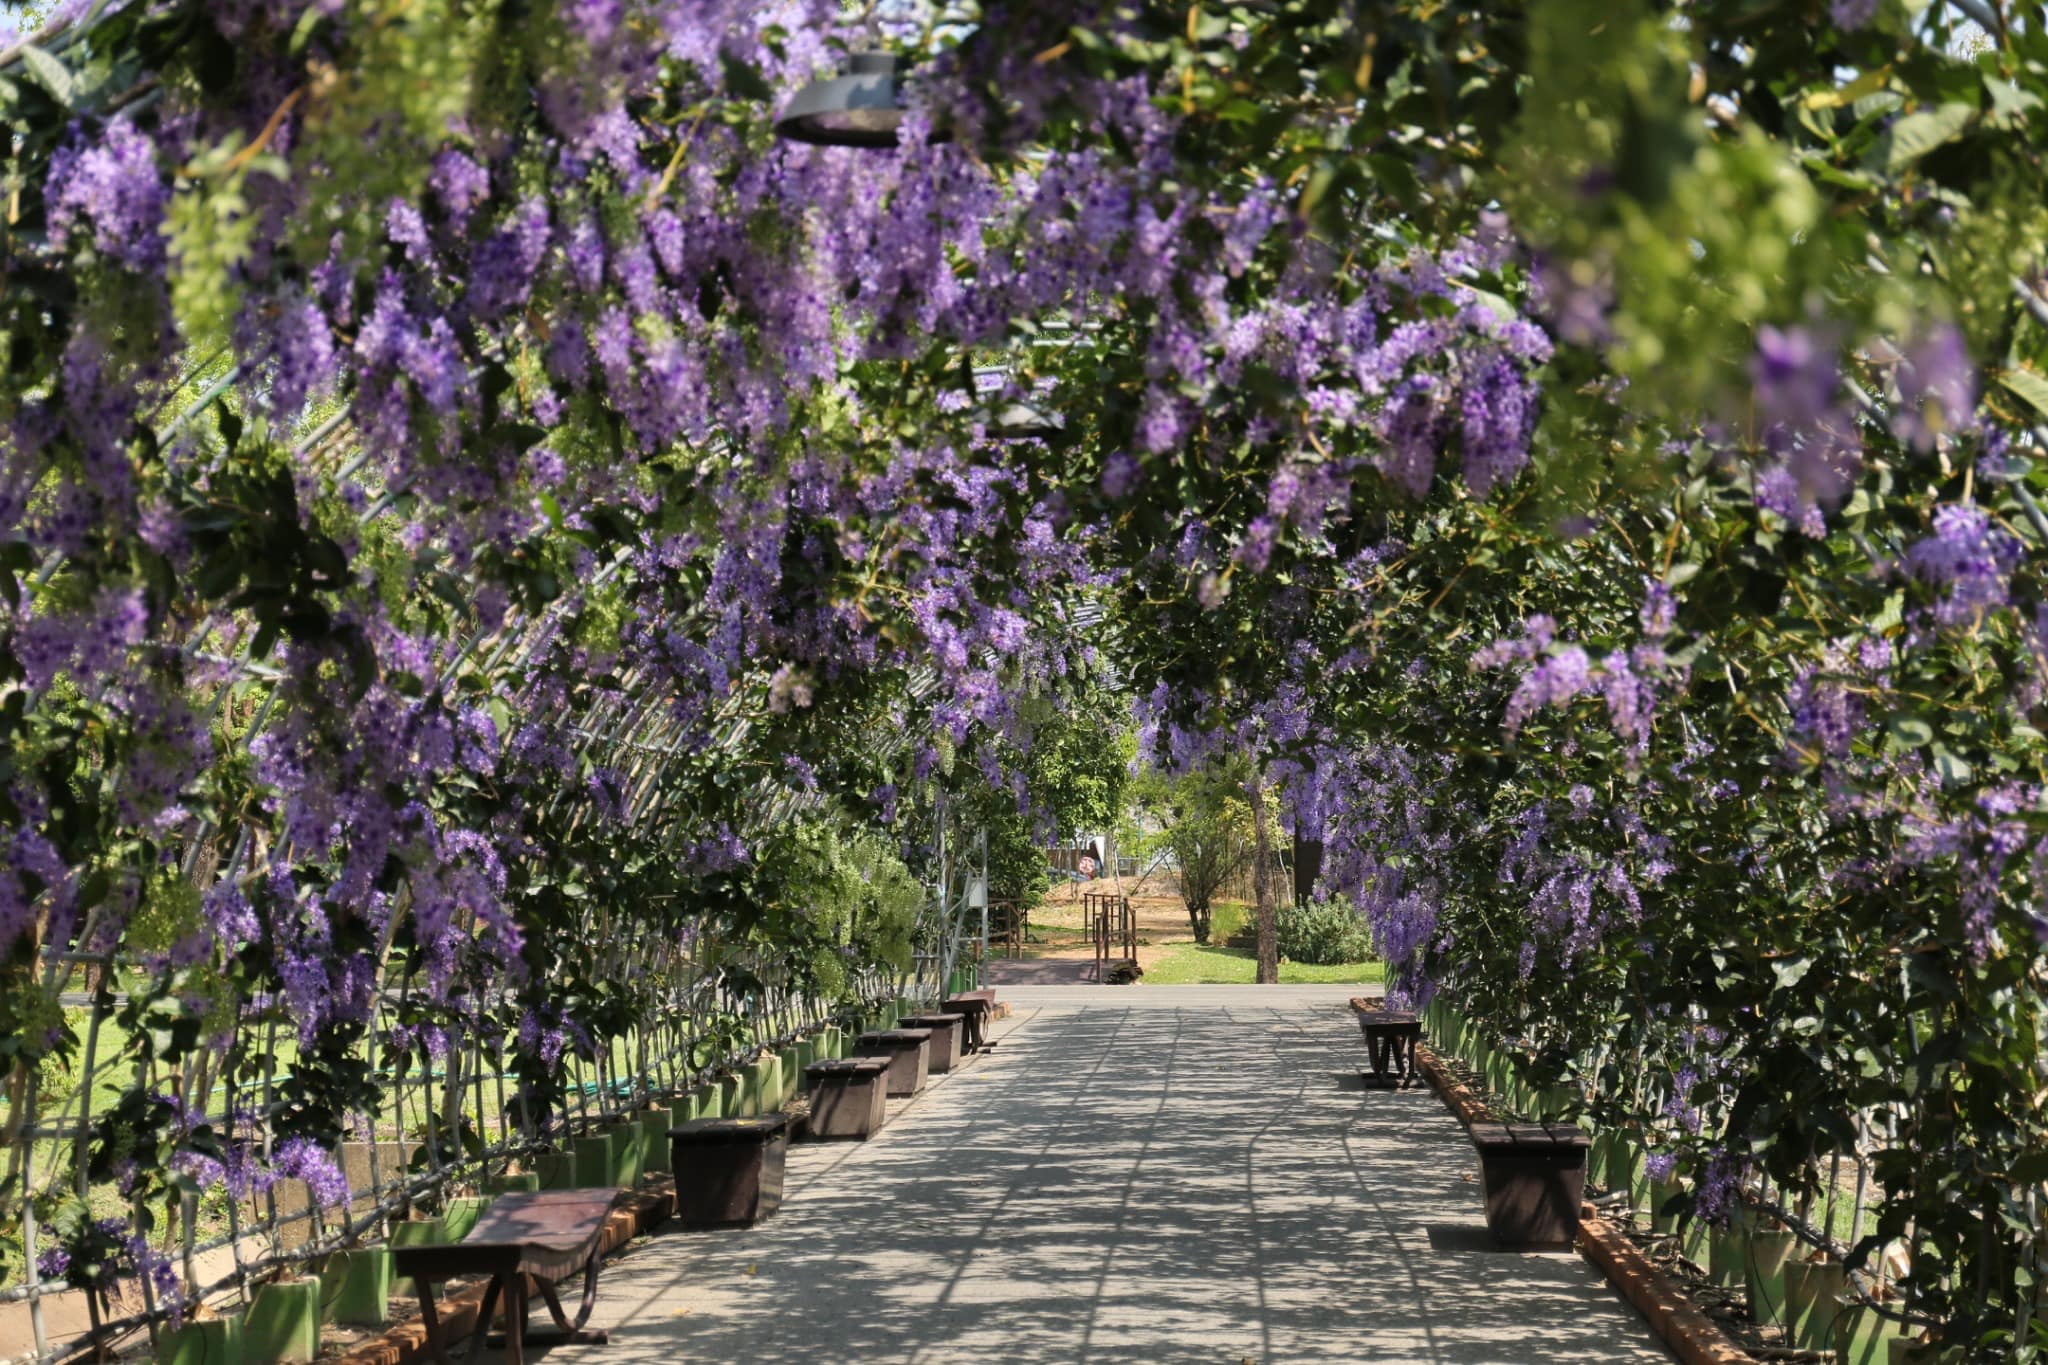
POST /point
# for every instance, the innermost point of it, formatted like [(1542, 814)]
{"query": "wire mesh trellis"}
[(444, 1120), (1845, 1177), (443, 1116)]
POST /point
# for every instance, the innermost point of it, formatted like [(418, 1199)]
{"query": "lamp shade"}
[(860, 107)]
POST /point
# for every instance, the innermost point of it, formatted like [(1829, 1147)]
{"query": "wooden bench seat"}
[(525, 1243), (728, 1171), (977, 1006), (909, 1051), (1390, 1038), (1535, 1177), (948, 1032)]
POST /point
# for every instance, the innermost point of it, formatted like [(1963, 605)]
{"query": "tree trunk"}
[(1199, 920), (1262, 881)]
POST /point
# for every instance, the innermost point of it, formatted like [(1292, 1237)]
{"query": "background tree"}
[(1205, 826)]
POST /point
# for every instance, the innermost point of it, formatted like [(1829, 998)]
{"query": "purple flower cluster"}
[(1972, 558), (1937, 387), (1806, 427), (300, 1158), (1718, 1197), (111, 189)]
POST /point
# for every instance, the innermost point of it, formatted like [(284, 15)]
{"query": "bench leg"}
[(437, 1341), (515, 1320), (432, 1322), (574, 1329), (571, 1333)]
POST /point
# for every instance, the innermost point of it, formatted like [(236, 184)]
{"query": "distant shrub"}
[(1323, 933)]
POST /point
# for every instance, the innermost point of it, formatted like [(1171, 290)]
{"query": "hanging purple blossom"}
[(1795, 377), (460, 184), (1565, 674), (1972, 557), (114, 188), (1937, 387), (301, 1158), (1498, 408)]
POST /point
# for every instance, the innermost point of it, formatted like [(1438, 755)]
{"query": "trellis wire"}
[(613, 1096)]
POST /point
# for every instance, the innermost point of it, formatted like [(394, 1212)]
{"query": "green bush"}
[(1323, 933)]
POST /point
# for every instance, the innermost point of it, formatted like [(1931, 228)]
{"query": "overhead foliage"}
[(471, 494)]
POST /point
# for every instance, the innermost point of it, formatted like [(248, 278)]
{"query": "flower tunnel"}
[(549, 547)]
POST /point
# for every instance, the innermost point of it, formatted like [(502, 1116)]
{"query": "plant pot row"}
[(1809, 1299), (282, 1321)]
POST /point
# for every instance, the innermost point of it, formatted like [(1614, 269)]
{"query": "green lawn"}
[(1192, 964)]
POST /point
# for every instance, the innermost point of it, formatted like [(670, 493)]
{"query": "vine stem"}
[(254, 149)]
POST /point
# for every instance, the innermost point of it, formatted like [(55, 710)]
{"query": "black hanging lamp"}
[(862, 106)]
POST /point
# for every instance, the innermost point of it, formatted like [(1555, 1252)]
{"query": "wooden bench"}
[(1390, 1038), (977, 1006), (947, 1030), (1535, 1179), (524, 1242), (728, 1171)]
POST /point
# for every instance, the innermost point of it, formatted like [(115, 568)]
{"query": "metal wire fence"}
[(451, 1114)]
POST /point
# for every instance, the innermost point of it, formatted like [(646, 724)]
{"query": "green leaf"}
[(49, 73), (1917, 134), (1790, 971), (230, 425), (2028, 385), (2008, 101), (1869, 83), (302, 33), (1505, 311), (1318, 185), (743, 81), (1910, 731)]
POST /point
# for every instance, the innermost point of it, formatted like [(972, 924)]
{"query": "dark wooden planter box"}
[(909, 1051), (728, 1171), (947, 1032), (849, 1096), (1535, 1176)]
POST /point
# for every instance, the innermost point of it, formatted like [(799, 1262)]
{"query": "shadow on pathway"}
[(1114, 1184)]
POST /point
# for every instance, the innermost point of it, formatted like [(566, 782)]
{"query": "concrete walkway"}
[(1004, 972), (1127, 1177)]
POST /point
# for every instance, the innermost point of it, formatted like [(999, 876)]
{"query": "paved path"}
[(1127, 1178), (1004, 972)]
